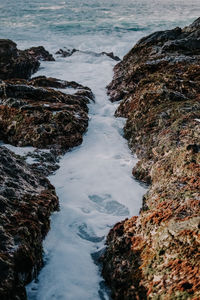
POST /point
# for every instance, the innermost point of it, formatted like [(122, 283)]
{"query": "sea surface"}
[(94, 182)]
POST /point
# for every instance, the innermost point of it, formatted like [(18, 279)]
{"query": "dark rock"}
[(151, 54), (24, 222), (16, 63), (44, 163), (31, 115), (156, 255), (67, 52), (40, 53), (42, 81), (70, 52), (111, 55), (32, 112)]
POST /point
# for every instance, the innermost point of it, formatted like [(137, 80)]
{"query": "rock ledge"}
[(156, 255)]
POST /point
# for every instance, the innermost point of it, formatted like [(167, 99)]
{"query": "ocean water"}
[(94, 182)]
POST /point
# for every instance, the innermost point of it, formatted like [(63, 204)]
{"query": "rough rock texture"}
[(43, 161), (16, 63), (26, 202), (37, 112), (40, 53), (32, 115), (157, 254)]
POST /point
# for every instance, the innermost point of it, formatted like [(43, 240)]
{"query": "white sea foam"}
[(53, 7), (22, 151), (95, 188)]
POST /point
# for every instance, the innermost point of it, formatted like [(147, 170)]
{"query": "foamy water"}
[(95, 188), (94, 182)]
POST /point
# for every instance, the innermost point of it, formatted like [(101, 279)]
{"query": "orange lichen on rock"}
[(158, 82)]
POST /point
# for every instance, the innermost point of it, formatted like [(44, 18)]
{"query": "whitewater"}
[(94, 182), (95, 189)]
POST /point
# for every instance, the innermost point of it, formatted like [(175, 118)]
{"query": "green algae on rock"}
[(157, 254)]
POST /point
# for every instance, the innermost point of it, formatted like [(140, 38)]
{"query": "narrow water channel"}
[(94, 182), (95, 188)]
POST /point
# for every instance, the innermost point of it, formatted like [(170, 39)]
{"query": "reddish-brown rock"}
[(31, 115), (157, 254)]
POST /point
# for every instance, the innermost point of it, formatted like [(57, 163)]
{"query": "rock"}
[(111, 55), (44, 162), (40, 53), (67, 52), (42, 117), (33, 112), (155, 255), (70, 52), (16, 63), (26, 203), (42, 81)]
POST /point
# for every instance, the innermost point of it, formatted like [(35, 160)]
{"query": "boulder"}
[(16, 63), (39, 53)]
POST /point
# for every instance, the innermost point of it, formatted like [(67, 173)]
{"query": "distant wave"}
[(53, 7)]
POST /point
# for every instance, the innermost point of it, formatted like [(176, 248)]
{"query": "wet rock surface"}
[(45, 162), (156, 255), (34, 114), (16, 63), (26, 201), (39, 53), (69, 52)]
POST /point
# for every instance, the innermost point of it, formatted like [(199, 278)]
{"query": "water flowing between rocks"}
[(94, 182), (95, 188)]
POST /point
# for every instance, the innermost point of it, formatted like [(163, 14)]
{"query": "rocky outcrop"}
[(37, 112), (156, 255), (39, 53), (34, 114), (26, 201), (16, 63)]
